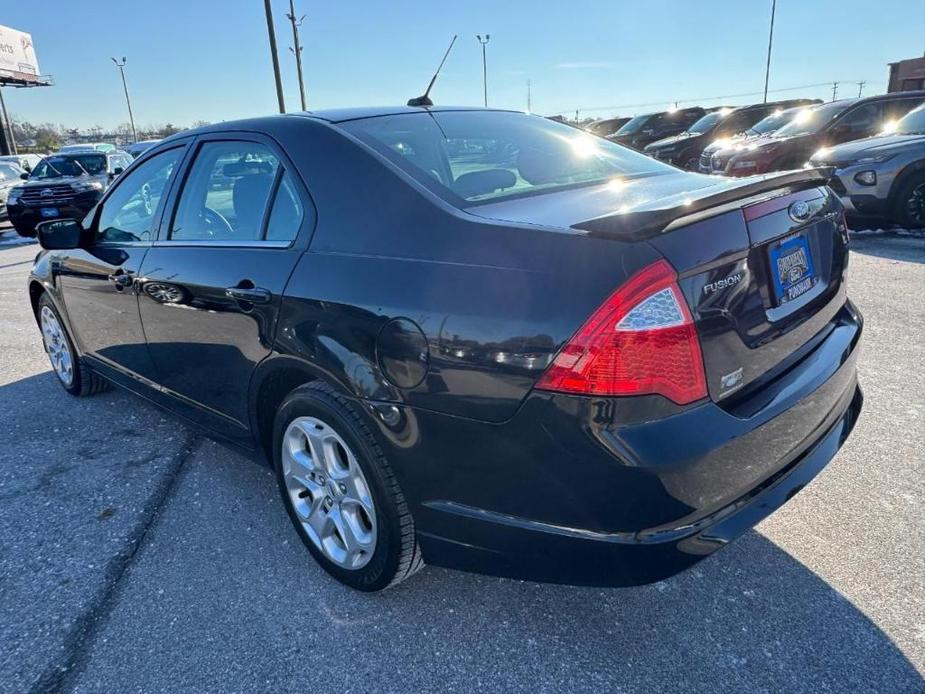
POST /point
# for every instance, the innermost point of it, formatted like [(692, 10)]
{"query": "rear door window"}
[(861, 121), (227, 193)]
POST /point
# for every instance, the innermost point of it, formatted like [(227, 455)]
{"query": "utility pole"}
[(484, 42), (767, 69), (297, 48), (834, 90), (529, 105), (128, 102), (272, 34), (861, 87)]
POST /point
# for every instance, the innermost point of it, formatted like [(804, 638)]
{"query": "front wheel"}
[(72, 374), (909, 202), (340, 492)]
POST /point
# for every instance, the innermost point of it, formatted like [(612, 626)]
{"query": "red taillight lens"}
[(642, 340)]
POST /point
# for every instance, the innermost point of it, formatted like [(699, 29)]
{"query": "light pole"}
[(272, 34), (128, 102), (484, 42), (297, 49), (767, 69)]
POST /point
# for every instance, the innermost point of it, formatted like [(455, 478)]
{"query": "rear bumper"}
[(601, 492)]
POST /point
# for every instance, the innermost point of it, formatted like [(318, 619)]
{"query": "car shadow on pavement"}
[(223, 592)]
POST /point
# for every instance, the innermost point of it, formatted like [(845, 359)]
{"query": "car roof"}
[(339, 115), (920, 93)]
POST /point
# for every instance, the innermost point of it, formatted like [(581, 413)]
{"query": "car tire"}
[(909, 202), (76, 378), (309, 482)]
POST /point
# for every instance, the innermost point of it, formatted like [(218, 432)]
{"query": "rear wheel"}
[(909, 202), (72, 373), (340, 492)]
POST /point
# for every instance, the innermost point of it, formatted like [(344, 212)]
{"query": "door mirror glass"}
[(59, 234), (116, 171)]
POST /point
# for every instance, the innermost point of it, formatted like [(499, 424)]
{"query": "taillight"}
[(642, 340)]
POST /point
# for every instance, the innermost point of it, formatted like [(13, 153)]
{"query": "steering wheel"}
[(215, 223)]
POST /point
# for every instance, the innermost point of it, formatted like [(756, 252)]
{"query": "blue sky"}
[(208, 59)]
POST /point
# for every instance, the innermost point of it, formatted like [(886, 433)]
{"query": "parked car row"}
[(877, 151)]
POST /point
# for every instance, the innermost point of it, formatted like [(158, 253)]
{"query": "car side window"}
[(287, 213), (226, 193), (128, 213), (860, 121), (894, 110)]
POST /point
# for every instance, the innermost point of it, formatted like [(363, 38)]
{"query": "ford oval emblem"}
[(47, 193), (800, 211)]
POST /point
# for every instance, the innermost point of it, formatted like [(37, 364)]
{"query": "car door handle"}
[(252, 295), (121, 279)]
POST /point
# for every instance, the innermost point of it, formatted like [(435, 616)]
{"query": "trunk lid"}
[(763, 283), (726, 238)]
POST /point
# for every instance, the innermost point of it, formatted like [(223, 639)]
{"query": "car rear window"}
[(468, 157)]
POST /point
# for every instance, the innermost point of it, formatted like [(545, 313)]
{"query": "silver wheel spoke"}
[(329, 492), (59, 353)]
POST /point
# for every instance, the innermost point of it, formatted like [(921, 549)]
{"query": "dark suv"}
[(649, 127), (825, 125), (64, 185), (684, 149)]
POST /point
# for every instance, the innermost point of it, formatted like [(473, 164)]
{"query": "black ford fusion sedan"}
[(471, 338)]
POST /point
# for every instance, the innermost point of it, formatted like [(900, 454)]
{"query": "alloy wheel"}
[(329, 492), (56, 344)]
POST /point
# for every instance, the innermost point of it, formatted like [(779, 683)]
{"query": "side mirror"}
[(116, 171), (24, 176), (59, 234)]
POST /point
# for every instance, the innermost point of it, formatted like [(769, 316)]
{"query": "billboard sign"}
[(17, 55)]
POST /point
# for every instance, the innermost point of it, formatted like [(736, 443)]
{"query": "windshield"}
[(707, 123), (634, 124), (811, 120), (471, 156), (913, 123), (771, 123), (70, 165)]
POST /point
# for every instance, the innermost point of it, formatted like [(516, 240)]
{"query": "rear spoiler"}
[(647, 223)]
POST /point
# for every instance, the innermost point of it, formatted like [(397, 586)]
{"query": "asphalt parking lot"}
[(136, 554)]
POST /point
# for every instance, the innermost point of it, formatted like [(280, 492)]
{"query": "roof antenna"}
[(424, 99)]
